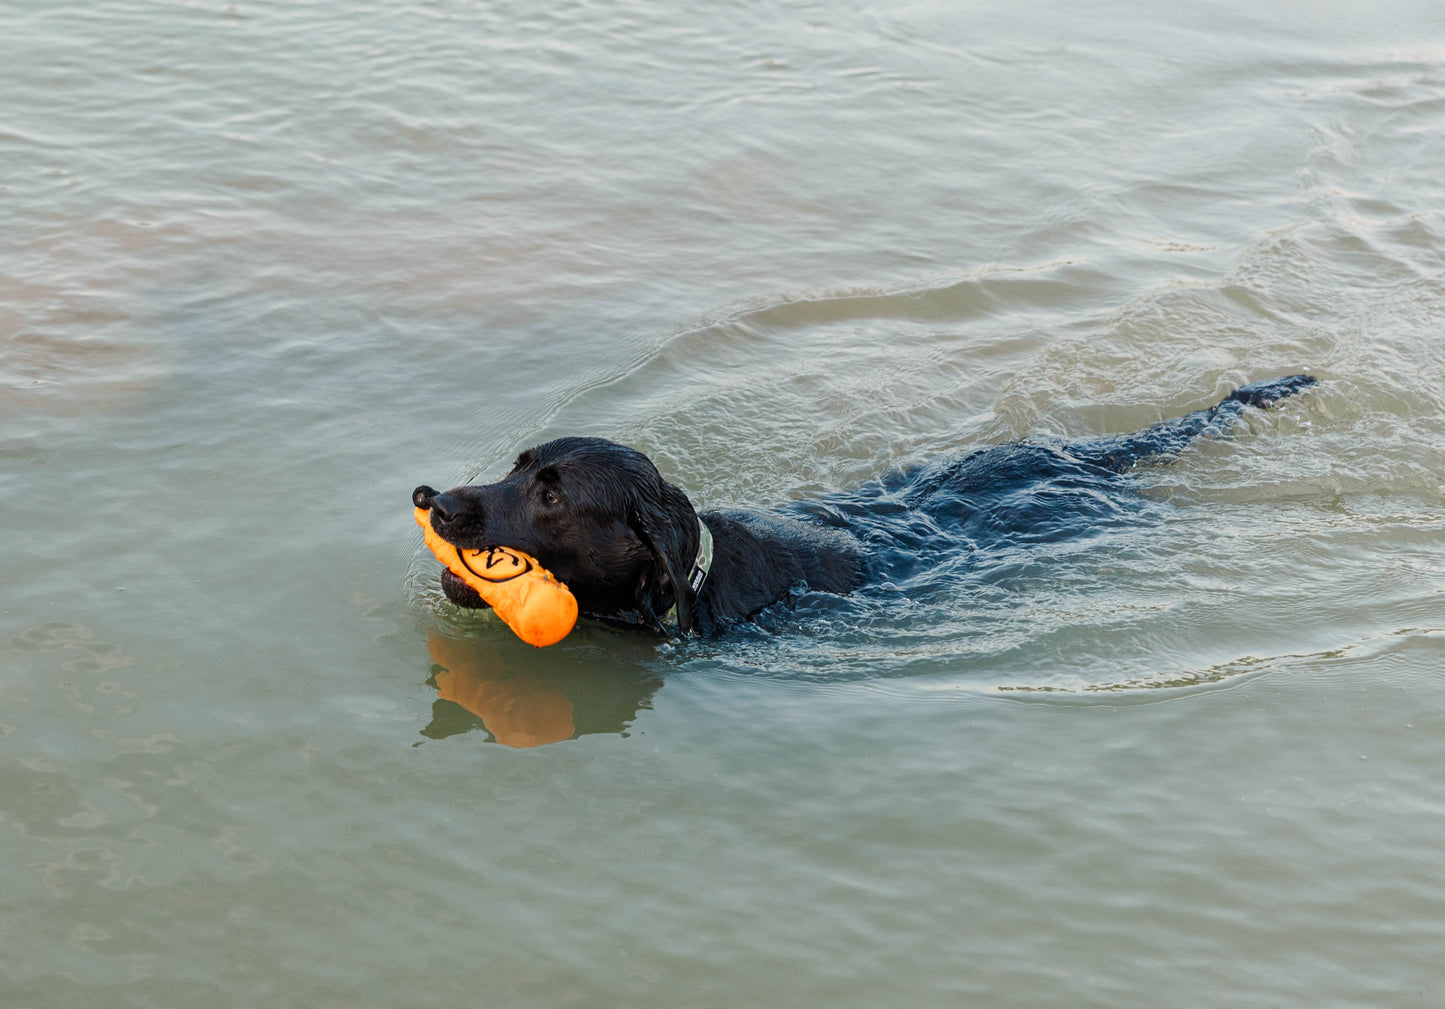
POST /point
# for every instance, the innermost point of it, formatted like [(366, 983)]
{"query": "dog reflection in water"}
[(481, 683), (518, 708)]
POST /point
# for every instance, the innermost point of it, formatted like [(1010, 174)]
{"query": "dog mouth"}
[(460, 592), (456, 588), (488, 556)]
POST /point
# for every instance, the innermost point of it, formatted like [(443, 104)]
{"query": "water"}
[(269, 266)]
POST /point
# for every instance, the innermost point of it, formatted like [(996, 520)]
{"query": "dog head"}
[(595, 513)]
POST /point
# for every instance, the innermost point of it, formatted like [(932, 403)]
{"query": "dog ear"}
[(667, 526)]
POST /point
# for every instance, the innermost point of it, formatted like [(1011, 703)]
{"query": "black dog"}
[(632, 549)]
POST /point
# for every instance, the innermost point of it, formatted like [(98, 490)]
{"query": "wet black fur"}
[(599, 517)]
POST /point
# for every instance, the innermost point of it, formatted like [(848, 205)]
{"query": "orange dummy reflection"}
[(518, 709)]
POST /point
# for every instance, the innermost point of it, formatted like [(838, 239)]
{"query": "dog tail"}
[(1121, 452), (1268, 393)]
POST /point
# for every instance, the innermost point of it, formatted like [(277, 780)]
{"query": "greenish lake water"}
[(267, 266)]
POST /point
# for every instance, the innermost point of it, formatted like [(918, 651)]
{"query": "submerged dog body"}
[(633, 550)]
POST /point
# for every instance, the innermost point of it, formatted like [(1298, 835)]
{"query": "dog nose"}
[(423, 497), (445, 508)]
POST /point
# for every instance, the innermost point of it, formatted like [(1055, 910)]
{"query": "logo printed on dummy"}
[(495, 564)]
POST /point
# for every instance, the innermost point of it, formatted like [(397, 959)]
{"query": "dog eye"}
[(549, 496)]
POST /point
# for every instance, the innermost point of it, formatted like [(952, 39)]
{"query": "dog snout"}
[(456, 513), (444, 506)]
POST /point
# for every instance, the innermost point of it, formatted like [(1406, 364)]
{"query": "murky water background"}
[(266, 266)]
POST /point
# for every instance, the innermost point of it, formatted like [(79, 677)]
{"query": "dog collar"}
[(701, 565)]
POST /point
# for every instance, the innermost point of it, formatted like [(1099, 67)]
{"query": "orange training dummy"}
[(537, 607)]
